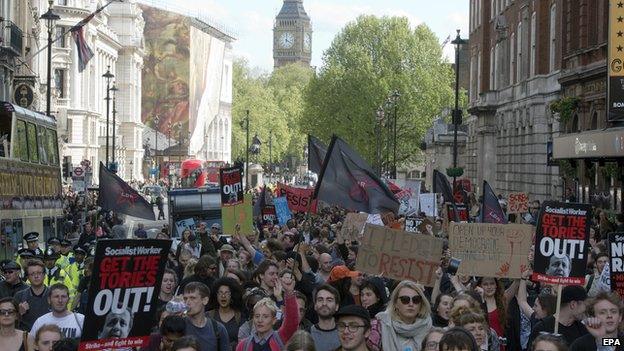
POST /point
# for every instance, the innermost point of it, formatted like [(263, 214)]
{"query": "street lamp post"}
[(380, 117), (157, 126), (457, 113), (50, 17), (114, 90), (108, 76), (395, 99), (246, 122), (270, 156)]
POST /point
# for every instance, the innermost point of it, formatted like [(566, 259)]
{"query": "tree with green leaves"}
[(368, 60)]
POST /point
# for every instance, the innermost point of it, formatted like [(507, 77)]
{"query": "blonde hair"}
[(425, 307), (301, 340), (268, 303), (189, 270)]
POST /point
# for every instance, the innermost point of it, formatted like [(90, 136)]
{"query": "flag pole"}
[(76, 26), (320, 176)]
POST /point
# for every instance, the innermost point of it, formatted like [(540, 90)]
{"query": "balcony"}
[(12, 39)]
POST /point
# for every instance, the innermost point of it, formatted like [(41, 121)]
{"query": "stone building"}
[(292, 35), (515, 66)]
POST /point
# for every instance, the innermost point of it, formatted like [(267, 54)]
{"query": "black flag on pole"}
[(118, 196), (491, 211), (347, 180), (442, 185), (316, 154)]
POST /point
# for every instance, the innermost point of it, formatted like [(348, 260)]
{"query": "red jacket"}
[(285, 332)]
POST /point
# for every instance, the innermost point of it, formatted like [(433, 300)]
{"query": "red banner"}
[(298, 198)]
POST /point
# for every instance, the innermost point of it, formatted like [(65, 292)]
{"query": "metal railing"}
[(12, 40)]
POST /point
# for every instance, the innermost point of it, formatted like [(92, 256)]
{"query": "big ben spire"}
[(292, 35)]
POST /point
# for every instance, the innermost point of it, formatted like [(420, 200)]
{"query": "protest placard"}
[(281, 210), (399, 255), (231, 180), (616, 262), (518, 203), (429, 204), (124, 287), (353, 226), (241, 214), (298, 198), (462, 212), (183, 224), (409, 196), (491, 250), (268, 215), (562, 243), (412, 223)]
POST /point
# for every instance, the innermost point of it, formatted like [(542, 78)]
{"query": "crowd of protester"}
[(295, 287)]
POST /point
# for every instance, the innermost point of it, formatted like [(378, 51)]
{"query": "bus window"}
[(33, 152), (5, 134), (21, 147), (52, 147), (42, 144)]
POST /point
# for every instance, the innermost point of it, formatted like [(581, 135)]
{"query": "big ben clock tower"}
[(292, 35)]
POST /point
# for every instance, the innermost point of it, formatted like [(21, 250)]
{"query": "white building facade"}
[(115, 38)]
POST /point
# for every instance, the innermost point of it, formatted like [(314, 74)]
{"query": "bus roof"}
[(186, 191), (29, 115)]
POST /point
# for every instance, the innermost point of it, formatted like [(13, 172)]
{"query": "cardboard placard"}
[(231, 180), (399, 255), (298, 198), (518, 203), (616, 262), (268, 215), (241, 214), (124, 288), (562, 243), (353, 226), (491, 250)]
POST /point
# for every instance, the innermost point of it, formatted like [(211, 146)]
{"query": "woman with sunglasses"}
[(405, 322), (11, 339)]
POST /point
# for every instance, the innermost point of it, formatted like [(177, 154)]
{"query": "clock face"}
[(307, 41), (287, 40)]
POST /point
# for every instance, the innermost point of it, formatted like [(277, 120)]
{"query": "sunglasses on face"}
[(416, 299)]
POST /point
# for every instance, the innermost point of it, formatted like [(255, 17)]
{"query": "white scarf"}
[(396, 335)]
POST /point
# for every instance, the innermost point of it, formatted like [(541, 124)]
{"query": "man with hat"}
[(12, 282), (225, 254), (23, 255), (54, 244), (54, 273), (571, 313), (353, 323), (66, 257), (75, 268), (32, 242)]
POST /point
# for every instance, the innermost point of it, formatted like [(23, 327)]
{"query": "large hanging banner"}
[(231, 180), (298, 198), (399, 255), (491, 250), (616, 253), (123, 294), (241, 214), (562, 243)]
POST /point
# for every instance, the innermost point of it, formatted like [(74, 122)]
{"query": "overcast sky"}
[(252, 20)]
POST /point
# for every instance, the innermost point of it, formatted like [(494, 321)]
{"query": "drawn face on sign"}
[(117, 325), (559, 266)]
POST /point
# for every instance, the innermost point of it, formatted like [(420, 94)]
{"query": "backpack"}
[(215, 329)]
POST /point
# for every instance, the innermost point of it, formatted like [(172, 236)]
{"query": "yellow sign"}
[(20, 179), (241, 214), (616, 38)]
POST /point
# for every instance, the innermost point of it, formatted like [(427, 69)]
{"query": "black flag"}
[(491, 211), (316, 154), (118, 196), (441, 185), (347, 180)]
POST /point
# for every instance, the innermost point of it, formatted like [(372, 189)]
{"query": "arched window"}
[(512, 57), (533, 69), (553, 37), (519, 53), (492, 69)]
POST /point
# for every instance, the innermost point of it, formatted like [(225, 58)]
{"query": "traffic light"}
[(66, 169)]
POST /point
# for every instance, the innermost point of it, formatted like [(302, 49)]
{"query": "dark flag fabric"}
[(316, 154), (491, 211), (441, 186), (84, 51), (118, 196), (347, 180)]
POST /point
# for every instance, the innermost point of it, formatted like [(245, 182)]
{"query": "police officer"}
[(54, 273), (54, 244), (24, 255), (76, 268), (66, 257), (32, 242)]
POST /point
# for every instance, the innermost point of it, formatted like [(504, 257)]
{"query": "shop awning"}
[(608, 143)]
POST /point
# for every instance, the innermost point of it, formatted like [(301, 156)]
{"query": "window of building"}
[(519, 53), (61, 34), (479, 60), (512, 58), (553, 37), (59, 82), (62, 2), (533, 47), (492, 60)]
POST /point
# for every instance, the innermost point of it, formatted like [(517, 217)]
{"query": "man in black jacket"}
[(12, 282)]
